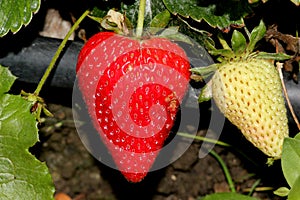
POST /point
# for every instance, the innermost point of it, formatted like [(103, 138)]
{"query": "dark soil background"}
[(76, 173)]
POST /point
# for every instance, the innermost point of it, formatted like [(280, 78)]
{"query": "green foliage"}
[(15, 13), (290, 159), (256, 35), (219, 13), (161, 20), (294, 193), (238, 42), (22, 176), (290, 163)]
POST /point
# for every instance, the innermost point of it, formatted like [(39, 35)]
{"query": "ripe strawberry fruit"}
[(248, 91), (132, 89)]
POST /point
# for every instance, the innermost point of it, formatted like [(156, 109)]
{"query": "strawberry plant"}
[(22, 175), (135, 66)]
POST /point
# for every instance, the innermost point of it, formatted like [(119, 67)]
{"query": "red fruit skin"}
[(132, 89)]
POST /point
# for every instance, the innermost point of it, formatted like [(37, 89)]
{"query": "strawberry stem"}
[(58, 52), (141, 17)]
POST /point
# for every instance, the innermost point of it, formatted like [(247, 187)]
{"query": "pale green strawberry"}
[(248, 91)]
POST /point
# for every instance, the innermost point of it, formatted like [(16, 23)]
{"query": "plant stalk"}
[(58, 52), (279, 67), (141, 17)]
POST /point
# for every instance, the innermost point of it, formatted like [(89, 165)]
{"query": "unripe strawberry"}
[(248, 91)]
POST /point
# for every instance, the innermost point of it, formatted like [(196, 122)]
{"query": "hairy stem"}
[(58, 52), (141, 17)]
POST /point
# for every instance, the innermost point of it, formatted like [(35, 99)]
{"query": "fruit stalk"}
[(140, 22), (58, 52)]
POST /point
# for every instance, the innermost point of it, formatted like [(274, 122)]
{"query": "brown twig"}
[(279, 68)]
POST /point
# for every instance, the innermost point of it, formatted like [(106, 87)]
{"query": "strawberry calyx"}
[(118, 23), (38, 105)]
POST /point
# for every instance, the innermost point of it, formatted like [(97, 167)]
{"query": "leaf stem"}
[(225, 169), (141, 17), (204, 139), (58, 52)]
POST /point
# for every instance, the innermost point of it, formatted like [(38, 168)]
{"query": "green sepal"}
[(238, 42), (206, 93), (161, 20), (205, 72), (169, 31), (223, 42), (273, 56), (257, 34), (227, 53), (282, 191), (172, 33), (96, 19)]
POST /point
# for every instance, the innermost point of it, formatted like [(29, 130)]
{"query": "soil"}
[(77, 173)]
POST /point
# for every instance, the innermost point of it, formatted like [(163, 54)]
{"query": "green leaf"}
[(256, 35), (297, 137), (290, 159), (22, 176), (15, 13), (238, 42), (172, 33), (273, 56), (294, 193), (282, 191), (206, 93), (7, 79), (161, 20), (218, 13), (227, 196), (222, 52)]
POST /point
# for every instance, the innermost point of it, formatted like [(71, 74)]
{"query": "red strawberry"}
[(132, 89)]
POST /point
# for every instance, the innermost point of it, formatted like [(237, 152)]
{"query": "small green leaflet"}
[(256, 35), (15, 13), (238, 42), (218, 13), (22, 176)]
